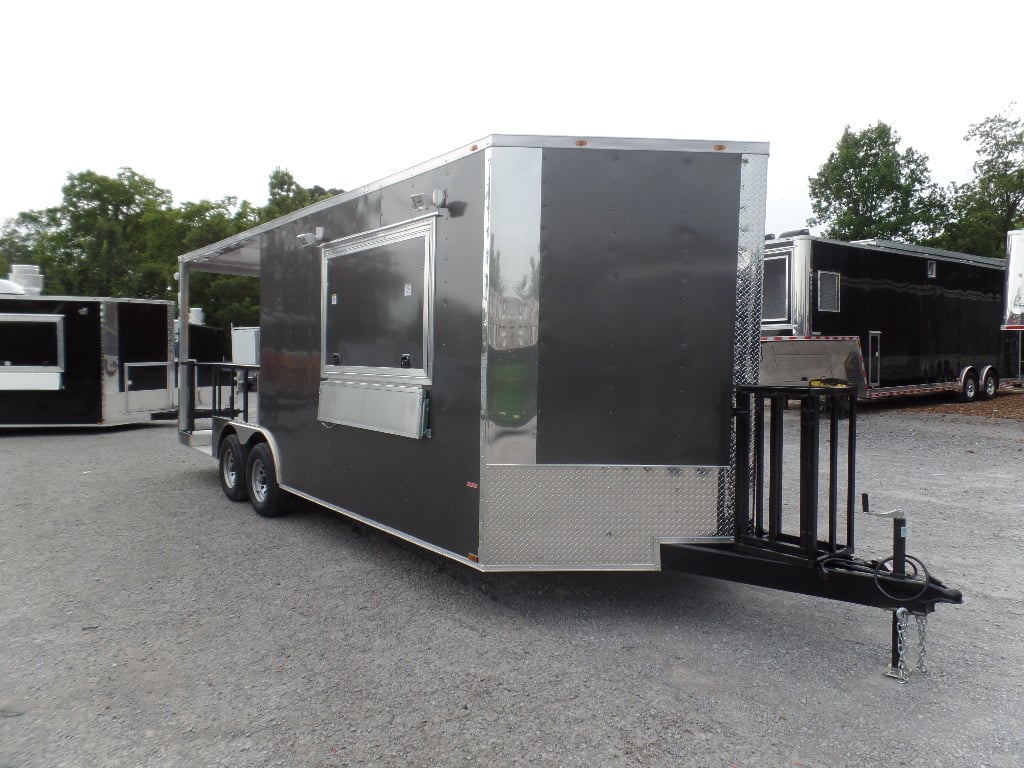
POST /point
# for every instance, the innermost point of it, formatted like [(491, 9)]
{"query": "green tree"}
[(206, 222), (27, 238), (103, 240), (122, 236), (991, 204), (232, 299), (225, 299), (868, 188), (286, 196)]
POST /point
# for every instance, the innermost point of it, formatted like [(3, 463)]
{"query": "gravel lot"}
[(145, 620)]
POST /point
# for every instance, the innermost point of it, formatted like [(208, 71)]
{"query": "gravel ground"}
[(145, 620), (1007, 404)]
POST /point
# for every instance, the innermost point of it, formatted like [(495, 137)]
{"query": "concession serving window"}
[(31, 351), (377, 320), (378, 303)]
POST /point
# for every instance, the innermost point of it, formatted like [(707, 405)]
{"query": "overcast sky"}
[(208, 98)]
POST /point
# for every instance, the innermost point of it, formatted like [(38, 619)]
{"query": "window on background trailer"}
[(32, 342), (775, 290), (828, 291)]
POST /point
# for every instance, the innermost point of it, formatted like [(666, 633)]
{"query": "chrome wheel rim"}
[(259, 481), (230, 470)]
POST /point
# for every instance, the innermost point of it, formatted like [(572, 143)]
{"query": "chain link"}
[(922, 628), (901, 672)]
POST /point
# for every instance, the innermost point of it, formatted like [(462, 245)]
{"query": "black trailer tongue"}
[(763, 553)]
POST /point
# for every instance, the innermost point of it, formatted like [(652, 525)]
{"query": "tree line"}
[(870, 188), (121, 236)]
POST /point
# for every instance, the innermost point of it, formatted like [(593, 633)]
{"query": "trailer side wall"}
[(425, 488), (931, 327)]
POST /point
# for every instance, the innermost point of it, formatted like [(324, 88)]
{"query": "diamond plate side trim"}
[(593, 517)]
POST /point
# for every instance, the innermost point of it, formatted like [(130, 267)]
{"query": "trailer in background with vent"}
[(889, 318)]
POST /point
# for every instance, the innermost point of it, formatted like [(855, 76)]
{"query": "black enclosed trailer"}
[(82, 361), (890, 318), (533, 353)]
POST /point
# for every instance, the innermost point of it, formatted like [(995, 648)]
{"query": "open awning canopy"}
[(235, 256)]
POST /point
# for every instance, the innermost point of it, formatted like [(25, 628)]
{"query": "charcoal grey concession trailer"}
[(524, 354), (74, 361)]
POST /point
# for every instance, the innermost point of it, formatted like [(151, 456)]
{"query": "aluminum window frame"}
[(784, 255), (56, 320), (424, 227)]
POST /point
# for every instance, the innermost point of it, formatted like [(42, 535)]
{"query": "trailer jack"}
[(761, 553)]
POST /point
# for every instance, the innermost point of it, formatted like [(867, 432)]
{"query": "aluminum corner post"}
[(186, 414)]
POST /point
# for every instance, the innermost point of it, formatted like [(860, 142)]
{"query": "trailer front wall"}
[(931, 328), (633, 306), (422, 488)]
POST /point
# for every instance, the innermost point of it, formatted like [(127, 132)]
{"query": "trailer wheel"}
[(970, 390), (989, 386), (261, 482), (232, 469)]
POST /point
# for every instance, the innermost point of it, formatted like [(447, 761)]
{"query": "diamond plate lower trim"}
[(593, 517)]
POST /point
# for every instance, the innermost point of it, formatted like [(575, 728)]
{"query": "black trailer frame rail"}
[(762, 553)]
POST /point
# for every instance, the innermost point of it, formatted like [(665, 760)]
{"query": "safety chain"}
[(922, 628), (901, 672)]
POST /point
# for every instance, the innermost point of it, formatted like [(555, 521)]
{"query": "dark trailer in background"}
[(76, 361), (890, 318), (534, 353)]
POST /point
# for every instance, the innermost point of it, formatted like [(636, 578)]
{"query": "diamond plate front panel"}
[(593, 517)]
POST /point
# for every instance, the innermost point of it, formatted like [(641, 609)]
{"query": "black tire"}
[(231, 459), (989, 386), (970, 391), (261, 482)]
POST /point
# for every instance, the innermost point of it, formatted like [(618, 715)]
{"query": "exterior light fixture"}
[(420, 202), (312, 238)]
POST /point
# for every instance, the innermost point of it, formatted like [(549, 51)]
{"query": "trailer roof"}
[(240, 254), (891, 246), (49, 297)]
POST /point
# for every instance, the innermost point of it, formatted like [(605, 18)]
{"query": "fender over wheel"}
[(231, 459), (261, 482)]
